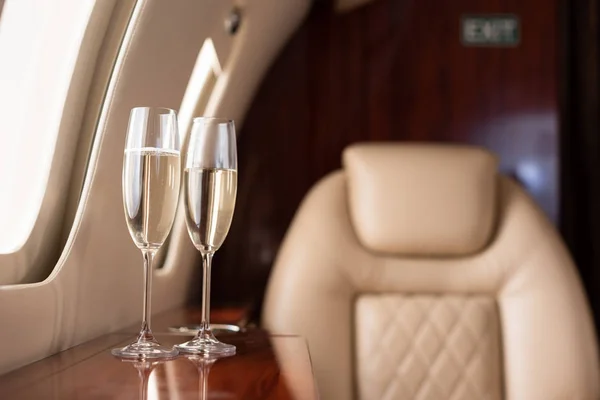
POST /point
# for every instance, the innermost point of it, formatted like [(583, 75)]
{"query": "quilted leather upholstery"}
[(427, 347)]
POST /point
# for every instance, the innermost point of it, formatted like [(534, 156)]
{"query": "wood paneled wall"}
[(580, 144), (393, 70)]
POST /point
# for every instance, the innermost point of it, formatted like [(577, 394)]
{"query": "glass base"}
[(144, 351), (215, 328), (205, 343)]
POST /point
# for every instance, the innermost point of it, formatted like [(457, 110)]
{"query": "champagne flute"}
[(210, 186), (151, 178)]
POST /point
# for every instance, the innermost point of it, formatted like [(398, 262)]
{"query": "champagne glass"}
[(151, 177), (210, 187)]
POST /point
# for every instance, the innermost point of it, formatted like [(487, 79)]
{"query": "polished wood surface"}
[(264, 367), (162, 322), (392, 70)]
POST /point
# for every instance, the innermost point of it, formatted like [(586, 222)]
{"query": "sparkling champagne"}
[(151, 180), (209, 204)]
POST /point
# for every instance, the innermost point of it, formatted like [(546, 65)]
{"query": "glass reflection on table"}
[(203, 364), (144, 369), (265, 366)]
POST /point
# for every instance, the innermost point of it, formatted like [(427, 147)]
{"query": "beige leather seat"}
[(419, 272)]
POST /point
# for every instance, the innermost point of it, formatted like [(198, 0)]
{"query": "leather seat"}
[(419, 272)]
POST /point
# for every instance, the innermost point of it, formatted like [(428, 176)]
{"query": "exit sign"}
[(495, 30)]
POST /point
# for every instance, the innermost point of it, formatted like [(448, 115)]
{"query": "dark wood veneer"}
[(393, 70)]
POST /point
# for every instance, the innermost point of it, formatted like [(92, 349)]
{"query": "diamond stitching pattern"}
[(425, 347)]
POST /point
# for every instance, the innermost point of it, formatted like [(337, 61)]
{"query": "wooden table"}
[(264, 367)]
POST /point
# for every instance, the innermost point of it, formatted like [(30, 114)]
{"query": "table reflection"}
[(144, 370), (204, 364)]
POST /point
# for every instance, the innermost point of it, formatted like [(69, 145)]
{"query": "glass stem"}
[(146, 333), (207, 262), (144, 384), (204, 370)]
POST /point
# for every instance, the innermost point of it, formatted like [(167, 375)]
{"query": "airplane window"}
[(39, 45), (195, 100), (200, 86)]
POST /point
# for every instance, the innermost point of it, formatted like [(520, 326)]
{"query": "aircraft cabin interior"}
[(300, 199)]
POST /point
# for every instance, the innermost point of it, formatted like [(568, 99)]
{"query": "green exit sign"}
[(496, 30)]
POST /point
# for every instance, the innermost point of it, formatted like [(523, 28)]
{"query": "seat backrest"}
[(418, 272)]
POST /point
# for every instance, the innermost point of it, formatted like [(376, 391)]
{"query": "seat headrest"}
[(418, 199)]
